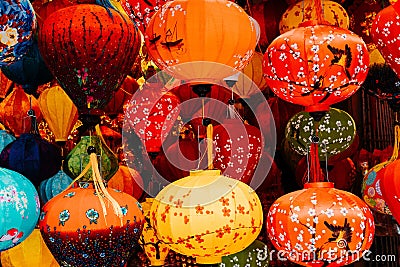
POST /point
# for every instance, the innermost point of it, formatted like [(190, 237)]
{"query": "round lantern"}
[(389, 188), (19, 206), (238, 149), (320, 225), (251, 78), (33, 157), (334, 14), (78, 158), (16, 30), (91, 67), (14, 111), (5, 139), (254, 255), (207, 216), (80, 231), (127, 180), (156, 251), (190, 50), (32, 252), (384, 32), (30, 71), (336, 131), (59, 111), (53, 186), (316, 65)]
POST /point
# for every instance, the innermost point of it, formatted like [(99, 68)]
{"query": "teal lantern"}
[(53, 186), (254, 255), (19, 208), (5, 139)]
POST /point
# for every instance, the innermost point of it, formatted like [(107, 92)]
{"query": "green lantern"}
[(78, 158), (336, 132), (254, 255)]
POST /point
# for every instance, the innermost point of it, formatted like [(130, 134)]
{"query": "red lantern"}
[(14, 111), (316, 65), (175, 36), (90, 50), (385, 30), (390, 188), (238, 149)]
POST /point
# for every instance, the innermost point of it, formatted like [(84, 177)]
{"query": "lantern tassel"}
[(210, 146)]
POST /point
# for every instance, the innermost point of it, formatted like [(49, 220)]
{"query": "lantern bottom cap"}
[(209, 260), (157, 262)]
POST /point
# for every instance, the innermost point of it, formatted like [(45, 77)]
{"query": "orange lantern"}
[(207, 216), (316, 65), (14, 111), (128, 181), (5, 85), (59, 111), (154, 248), (31, 252), (304, 10), (175, 36)]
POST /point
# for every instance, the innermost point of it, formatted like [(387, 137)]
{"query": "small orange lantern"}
[(304, 10), (207, 216), (14, 111), (316, 65), (59, 111), (174, 36), (127, 180)]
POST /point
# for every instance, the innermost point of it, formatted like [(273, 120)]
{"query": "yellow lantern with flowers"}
[(207, 215)]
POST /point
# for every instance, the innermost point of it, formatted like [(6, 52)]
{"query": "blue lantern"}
[(19, 208), (5, 139), (53, 186), (17, 26), (33, 157)]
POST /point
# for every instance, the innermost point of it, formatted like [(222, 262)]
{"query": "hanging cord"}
[(326, 163), (210, 146)]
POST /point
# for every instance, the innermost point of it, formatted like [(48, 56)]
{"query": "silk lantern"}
[(316, 65), (33, 157), (14, 111), (254, 255), (173, 33), (305, 224), (5, 139), (334, 14), (384, 32), (32, 252), (17, 28), (59, 111), (238, 149), (141, 11), (53, 186), (19, 206), (30, 71), (91, 67), (127, 180), (91, 225), (336, 131), (207, 216), (371, 188), (5, 85), (78, 158), (156, 251)]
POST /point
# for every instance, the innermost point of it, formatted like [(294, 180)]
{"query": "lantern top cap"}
[(205, 172), (318, 185)]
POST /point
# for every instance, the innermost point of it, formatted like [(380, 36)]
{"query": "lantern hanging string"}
[(100, 135), (210, 146)]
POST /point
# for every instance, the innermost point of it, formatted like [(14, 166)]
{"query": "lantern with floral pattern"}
[(53, 186), (207, 216), (316, 65)]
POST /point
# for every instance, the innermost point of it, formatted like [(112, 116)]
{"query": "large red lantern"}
[(90, 50), (175, 36), (385, 30), (316, 65)]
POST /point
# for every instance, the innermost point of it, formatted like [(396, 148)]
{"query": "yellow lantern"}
[(58, 111), (154, 248), (31, 252), (305, 10), (207, 216)]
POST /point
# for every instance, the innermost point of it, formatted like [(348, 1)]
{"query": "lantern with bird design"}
[(19, 207), (173, 39), (316, 65), (91, 67), (320, 225)]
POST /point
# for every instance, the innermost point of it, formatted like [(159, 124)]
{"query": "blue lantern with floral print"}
[(19, 208), (51, 187), (17, 26)]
